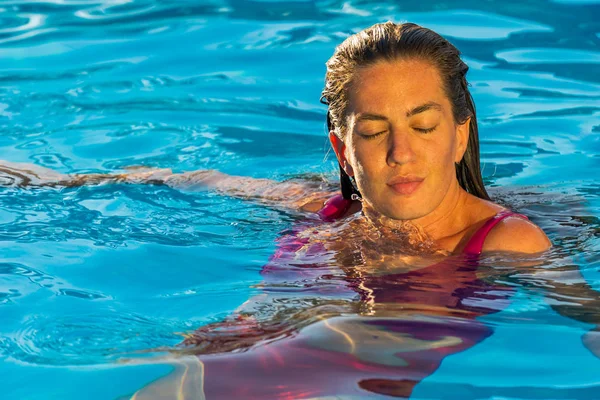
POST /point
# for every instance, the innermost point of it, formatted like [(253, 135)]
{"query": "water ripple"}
[(474, 25), (10, 271), (116, 11), (82, 339), (93, 86), (549, 56), (33, 21), (114, 216)]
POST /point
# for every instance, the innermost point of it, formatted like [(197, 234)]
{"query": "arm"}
[(568, 293), (578, 301), (242, 330), (13, 174), (293, 195)]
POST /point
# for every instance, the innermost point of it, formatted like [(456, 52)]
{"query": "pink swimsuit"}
[(337, 206), (292, 369)]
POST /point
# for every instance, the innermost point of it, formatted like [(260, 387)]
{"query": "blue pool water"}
[(97, 283)]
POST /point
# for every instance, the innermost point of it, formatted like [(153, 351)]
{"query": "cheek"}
[(360, 157), (368, 167), (440, 158), (365, 167)]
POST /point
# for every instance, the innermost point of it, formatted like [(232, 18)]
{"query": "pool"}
[(100, 284)]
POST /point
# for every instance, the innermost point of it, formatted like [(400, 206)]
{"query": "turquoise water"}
[(96, 275)]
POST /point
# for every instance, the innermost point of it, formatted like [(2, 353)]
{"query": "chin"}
[(391, 205), (402, 212)]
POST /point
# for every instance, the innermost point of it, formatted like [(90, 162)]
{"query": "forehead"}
[(395, 86)]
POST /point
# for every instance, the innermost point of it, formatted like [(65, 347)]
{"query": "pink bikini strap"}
[(334, 208), (475, 244)]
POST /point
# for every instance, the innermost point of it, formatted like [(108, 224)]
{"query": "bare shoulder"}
[(314, 203), (516, 234)]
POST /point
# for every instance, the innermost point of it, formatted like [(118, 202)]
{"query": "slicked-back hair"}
[(389, 42)]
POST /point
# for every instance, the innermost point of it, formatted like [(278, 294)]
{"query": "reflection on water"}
[(116, 276)]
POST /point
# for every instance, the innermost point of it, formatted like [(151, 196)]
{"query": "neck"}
[(442, 222), (445, 221)]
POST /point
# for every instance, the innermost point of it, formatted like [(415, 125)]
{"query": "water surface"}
[(95, 275)]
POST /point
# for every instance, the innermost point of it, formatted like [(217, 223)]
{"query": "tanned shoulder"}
[(515, 234)]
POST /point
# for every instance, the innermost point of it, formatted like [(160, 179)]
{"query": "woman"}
[(403, 126)]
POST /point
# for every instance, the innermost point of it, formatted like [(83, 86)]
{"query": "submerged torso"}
[(350, 314)]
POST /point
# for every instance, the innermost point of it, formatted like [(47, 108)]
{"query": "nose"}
[(401, 148)]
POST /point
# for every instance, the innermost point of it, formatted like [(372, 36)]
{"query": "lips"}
[(405, 185)]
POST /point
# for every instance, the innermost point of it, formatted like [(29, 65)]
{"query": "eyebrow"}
[(417, 110), (425, 107)]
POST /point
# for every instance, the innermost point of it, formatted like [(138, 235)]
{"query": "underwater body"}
[(118, 291)]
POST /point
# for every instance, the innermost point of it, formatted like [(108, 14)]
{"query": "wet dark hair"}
[(388, 42)]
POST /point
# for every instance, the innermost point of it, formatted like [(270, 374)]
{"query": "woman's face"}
[(401, 141)]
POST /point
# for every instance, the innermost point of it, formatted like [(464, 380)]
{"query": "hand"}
[(591, 340), (235, 333), (27, 174)]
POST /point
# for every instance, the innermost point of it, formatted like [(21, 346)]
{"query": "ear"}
[(462, 139), (339, 147)]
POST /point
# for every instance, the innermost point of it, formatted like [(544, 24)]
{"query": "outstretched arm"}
[(295, 195), (15, 174), (291, 194)]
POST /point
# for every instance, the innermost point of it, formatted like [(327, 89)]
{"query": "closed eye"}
[(372, 135), (425, 130)]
